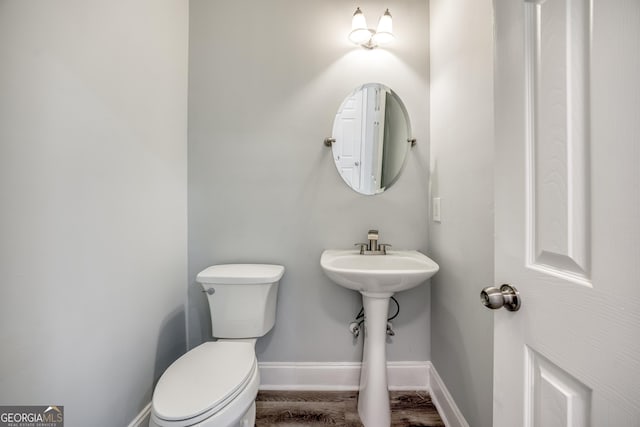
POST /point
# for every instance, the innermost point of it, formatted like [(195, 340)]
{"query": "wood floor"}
[(339, 408)]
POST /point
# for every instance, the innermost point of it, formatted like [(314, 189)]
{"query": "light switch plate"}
[(436, 209)]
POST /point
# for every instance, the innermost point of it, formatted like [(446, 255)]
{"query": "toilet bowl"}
[(215, 384)]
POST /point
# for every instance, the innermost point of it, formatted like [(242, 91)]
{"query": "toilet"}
[(216, 383)]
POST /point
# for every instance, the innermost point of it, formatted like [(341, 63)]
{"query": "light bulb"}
[(384, 33), (360, 33)]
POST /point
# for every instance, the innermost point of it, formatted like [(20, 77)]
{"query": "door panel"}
[(556, 101), (552, 396), (567, 199)]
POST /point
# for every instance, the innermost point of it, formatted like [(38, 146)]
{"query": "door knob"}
[(507, 296)]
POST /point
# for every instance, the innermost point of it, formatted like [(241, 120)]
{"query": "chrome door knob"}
[(507, 296)]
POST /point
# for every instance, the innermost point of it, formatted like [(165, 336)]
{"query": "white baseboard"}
[(346, 376), (442, 399), (338, 376), (309, 376), (142, 419)]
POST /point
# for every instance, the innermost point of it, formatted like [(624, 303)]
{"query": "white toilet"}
[(216, 383)]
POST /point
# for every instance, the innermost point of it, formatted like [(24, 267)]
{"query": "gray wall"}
[(93, 187), (265, 81), (462, 176)]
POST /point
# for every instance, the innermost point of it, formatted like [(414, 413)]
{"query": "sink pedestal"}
[(377, 278), (373, 400)]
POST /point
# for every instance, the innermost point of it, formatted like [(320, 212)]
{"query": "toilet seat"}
[(204, 381)]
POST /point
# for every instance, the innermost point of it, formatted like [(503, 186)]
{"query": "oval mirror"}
[(371, 138)]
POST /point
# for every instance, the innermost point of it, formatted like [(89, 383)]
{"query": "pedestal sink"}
[(377, 278)]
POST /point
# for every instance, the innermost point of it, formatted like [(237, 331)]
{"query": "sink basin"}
[(377, 274)]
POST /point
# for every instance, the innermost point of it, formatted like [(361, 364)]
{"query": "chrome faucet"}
[(373, 247), (372, 235)]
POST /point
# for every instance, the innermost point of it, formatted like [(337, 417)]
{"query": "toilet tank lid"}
[(241, 274)]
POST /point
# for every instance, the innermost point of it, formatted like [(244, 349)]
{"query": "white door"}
[(349, 133), (376, 109), (567, 87), (372, 139)]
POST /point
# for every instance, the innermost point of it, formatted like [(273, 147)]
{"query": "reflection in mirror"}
[(371, 133)]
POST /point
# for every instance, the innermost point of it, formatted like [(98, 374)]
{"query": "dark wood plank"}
[(410, 399), (351, 417), (416, 419), (340, 408), (300, 413)]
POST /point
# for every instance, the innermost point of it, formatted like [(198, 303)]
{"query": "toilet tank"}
[(242, 298)]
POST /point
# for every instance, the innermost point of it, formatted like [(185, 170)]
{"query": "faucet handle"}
[(383, 247), (363, 247)]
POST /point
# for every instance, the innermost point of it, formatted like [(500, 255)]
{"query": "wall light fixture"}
[(368, 37)]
